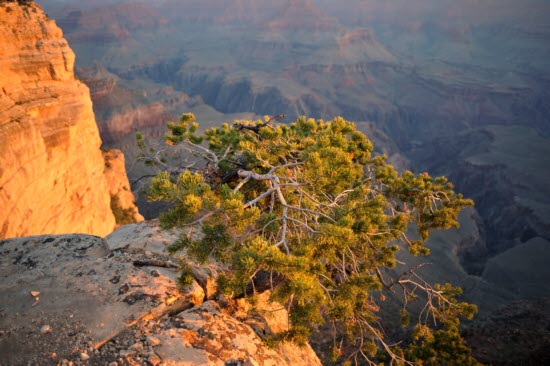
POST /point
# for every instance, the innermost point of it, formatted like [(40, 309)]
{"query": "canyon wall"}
[(122, 200), (52, 172)]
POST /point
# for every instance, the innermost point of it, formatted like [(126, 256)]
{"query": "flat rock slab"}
[(143, 236), (148, 237), (87, 294)]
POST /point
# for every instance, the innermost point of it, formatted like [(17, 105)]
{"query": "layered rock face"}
[(122, 199), (51, 168)]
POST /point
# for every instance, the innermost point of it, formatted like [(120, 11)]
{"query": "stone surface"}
[(144, 236), (122, 199), (208, 335), (98, 303), (51, 141), (51, 168), (271, 317), (87, 292), (148, 238), (154, 359), (152, 341), (206, 278)]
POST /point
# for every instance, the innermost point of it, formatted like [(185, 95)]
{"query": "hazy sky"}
[(473, 10), (527, 12)]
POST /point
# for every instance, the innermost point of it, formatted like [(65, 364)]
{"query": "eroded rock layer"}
[(122, 200), (51, 168)]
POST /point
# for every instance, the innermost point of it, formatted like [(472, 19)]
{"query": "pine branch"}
[(256, 128)]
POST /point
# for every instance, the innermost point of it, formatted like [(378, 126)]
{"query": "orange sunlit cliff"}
[(52, 171)]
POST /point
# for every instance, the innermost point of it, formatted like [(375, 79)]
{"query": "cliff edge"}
[(52, 172), (84, 300)]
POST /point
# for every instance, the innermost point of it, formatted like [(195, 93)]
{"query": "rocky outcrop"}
[(361, 44), (51, 168), (122, 200), (148, 237), (121, 109), (93, 301), (123, 123), (208, 335)]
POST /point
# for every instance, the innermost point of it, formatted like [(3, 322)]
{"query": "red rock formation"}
[(122, 199), (110, 23), (51, 168)]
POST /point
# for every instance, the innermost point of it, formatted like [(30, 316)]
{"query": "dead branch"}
[(154, 263)]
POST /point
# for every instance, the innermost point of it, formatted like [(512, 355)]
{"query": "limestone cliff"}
[(51, 168)]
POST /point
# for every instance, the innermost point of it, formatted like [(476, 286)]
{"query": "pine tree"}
[(308, 207)]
